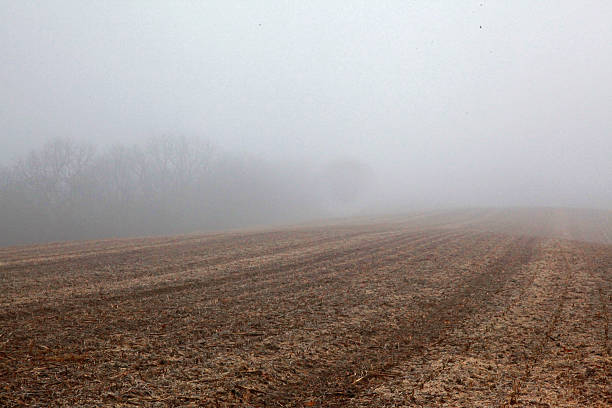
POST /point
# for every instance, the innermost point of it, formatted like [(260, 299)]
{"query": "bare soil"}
[(460, 309)]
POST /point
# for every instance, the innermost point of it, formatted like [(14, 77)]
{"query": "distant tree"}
[(57, 173), (66, 190)]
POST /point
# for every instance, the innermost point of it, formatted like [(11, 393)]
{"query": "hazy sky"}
[(451, 102)]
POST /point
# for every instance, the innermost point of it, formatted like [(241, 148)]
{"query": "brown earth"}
[(465, 308)]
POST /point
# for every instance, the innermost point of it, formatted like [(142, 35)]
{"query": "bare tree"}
[(65, 190), (56, 173)]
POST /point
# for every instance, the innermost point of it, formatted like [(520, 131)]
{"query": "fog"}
[(151, 117)]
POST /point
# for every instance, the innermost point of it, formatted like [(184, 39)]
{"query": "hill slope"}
[(464, 308)]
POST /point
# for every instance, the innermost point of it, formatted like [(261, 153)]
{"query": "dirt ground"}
[(471, 308)]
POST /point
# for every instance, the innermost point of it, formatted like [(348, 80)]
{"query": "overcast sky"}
[(456, 102)]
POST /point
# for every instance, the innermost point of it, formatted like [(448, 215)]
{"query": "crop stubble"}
[(440, 309)]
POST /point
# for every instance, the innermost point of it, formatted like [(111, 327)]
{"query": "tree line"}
[(71, 190)]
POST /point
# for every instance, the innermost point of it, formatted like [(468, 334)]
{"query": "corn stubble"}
[(454, 309)]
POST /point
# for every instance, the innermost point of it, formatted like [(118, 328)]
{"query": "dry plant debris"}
[(469, 308)]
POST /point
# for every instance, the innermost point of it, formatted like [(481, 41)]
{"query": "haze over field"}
[(305, 203), (298, 110)]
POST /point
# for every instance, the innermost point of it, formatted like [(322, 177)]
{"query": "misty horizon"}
[(312, 110)]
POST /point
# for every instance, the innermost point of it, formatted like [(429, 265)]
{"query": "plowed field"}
[(464, 308)]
